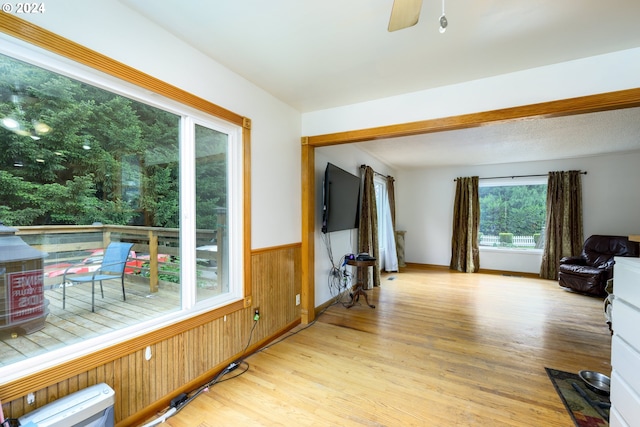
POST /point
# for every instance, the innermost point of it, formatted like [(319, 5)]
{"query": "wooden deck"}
[(77, 323)]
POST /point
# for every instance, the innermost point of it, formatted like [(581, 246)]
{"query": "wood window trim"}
[(40, 37), (44, 378), (51, 42)]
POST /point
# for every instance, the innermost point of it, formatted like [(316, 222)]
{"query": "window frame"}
[(512, 182), (26, 43)]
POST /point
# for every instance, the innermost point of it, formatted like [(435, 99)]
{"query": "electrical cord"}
[(232, 367), (326, 238), (171, 411), (162, 418), (339, 279), (217, 379), (255, 322), (182, 400), (245, 363), (342, 283)]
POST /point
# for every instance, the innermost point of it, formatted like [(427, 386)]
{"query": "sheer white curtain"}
[(386, 234)]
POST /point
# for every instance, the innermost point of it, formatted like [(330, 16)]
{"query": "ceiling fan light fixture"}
[(443, 24), (443, 20)]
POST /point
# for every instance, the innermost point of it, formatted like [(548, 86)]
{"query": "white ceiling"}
[(321, 54), (518, 141)]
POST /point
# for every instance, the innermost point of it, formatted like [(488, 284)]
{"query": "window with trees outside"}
[(513, 213), (87, 161)]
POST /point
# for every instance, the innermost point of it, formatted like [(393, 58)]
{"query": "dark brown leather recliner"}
[(589, 272)]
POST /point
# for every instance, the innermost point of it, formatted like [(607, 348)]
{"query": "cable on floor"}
[(182, 400)]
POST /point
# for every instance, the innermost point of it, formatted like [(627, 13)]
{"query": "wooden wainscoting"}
[(276, 282), (191, 356)]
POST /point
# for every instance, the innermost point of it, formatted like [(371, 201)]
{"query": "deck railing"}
[(67, 245)]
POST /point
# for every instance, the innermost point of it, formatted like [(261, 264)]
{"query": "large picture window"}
[(87, 161), (512, 214)]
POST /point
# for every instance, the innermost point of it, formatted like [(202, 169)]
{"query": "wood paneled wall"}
[(193, 356)]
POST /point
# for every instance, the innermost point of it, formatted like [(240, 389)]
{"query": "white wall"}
[(424, 200), (114, 30), (345, 242), (588, 76)]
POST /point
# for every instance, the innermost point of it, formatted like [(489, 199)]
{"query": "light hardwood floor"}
[(439, 349)]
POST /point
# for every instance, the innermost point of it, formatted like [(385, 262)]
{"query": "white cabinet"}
[(625, 345)]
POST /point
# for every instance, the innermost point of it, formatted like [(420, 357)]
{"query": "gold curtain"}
[(465, 254), (563, 231), (368, 229), (391, 194)]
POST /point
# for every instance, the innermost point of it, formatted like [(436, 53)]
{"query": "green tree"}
[(211, 176), (76, 154), (516, 209)]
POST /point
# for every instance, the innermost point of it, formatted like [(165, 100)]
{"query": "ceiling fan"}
[(405, 13)]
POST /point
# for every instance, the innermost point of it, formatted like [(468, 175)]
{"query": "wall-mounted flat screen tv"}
[(341, 210)]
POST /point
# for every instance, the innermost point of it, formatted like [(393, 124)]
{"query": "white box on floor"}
[(90, 407)]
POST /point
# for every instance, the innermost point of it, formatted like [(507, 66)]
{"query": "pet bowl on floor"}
[(596, 381)]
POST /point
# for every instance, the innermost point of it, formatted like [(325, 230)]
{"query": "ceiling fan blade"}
[(405, 13)]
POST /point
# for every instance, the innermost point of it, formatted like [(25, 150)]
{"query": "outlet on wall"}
[(297, 299)]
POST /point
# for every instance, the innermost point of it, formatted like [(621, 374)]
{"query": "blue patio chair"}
[(112, 267)]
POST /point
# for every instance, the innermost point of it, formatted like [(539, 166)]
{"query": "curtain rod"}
[(521, 176), (376, 173)]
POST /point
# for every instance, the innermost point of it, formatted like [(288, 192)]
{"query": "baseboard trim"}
[(511, 273), (417, 266)]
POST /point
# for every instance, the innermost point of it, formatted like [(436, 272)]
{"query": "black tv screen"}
[(341, 210)]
